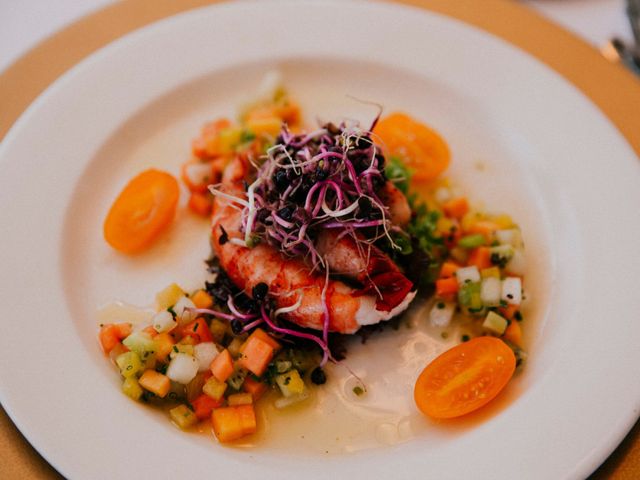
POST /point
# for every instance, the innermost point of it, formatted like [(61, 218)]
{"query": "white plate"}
[(551, 159)]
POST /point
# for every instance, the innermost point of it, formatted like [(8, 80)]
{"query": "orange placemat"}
[(614, 90)]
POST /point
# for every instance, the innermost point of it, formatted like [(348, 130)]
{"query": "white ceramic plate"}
[(550, 158)]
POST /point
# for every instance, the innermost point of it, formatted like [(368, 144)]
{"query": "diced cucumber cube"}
[(495, 323), (182, 368), (490, 291), (163, 321), (467, 275), (236, 379), (472, 241), (205, 352), (512, 290), (469, 296), (142, 344)]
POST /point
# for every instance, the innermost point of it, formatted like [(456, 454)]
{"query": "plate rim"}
[(411, 2)]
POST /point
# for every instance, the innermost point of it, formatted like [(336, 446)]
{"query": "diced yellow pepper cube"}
[(490, 272), (202, 299), (469, 219), (444, 225), (234, 346), (265, 126), (218, 330), (239, 399), (504, 221), (155, 382), (164, 344), (228, 139), (183, 416), (181, 348), (168, 297), (290, 383), (129, 364), (131, 388), (214, 388)]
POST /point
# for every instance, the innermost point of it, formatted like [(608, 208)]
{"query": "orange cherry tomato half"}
[(142, 211), (464, 378), (421, 149)]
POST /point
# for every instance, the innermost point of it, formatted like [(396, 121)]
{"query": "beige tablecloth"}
[(609, 86)]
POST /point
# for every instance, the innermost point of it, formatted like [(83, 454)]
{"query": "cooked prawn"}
[(289, 280)]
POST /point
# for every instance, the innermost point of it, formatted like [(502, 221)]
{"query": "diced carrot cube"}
[(509, 311), (446, 286), (152, 332), (164, 343), (256, 355), (202, 299), (448, 269), (480, 257), (222, 366), (198, 330), (227, 424), (203, 405), (265, 337), (513, 333), (247, 418), (111, 334), (200, 203), (456, 207), (484, 227), (123, 330), (239, 399), (155, 382), (108, 337), (198, 148), (255, 388)]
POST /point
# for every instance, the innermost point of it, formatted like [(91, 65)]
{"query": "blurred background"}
[(24, 23)]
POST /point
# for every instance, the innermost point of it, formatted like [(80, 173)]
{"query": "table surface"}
[(25, 23)]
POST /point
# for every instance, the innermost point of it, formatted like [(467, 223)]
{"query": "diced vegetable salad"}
[(208, 354), (194, 362), (477, 261)]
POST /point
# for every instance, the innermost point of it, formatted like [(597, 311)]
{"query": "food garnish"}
[(464, 378), (143, 210)]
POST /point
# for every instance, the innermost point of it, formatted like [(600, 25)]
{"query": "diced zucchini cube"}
[(490, 291), (236, 379), (142, 344), (183, 416), (131, 388), (495, 323), (290, 383), (129, 364), (214, 388)]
